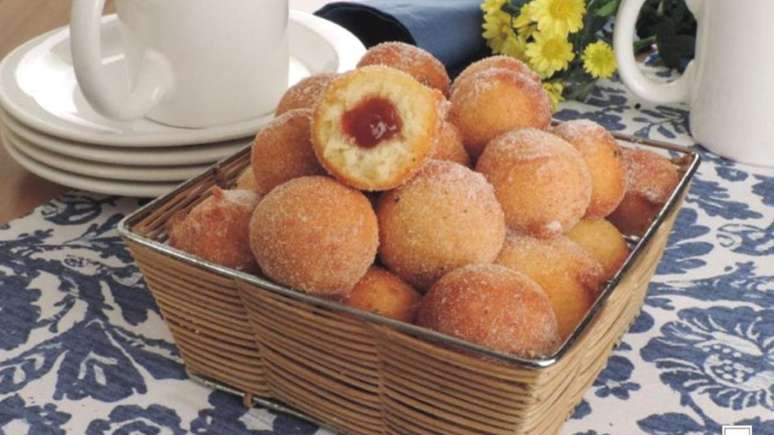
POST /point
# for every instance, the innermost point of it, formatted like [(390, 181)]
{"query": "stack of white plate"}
[(49, 128)]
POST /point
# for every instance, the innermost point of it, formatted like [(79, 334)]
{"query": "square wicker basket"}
[(362, 373)]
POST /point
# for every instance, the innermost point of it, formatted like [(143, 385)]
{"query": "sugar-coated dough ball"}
[(541, 181), (375, 127), (282, 151), (605, 243), (495, 101), (246, 180), (492, 306), (382, 292), (491, 62), (410, 59), (650, 181), (567, 273), (315, 235), (444, 218), (306, 93), (603, 157), (216, 229), (449, 146)]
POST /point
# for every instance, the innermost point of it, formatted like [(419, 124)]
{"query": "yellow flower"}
[(525, 16), (549, 53), (554, 90), (599, 60), (559, 16), (489, 6), (498, 30)]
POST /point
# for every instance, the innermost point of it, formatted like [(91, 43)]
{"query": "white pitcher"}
[(729, 86), (191, 63)]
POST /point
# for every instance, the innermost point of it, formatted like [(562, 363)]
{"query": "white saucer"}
[(38, 85), (102, 170), (157, 156), (109, 187)]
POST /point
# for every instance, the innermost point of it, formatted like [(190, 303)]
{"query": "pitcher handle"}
[(676, 91)]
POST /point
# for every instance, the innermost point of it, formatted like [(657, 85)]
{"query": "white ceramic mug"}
[(728, 86), (191, 63)]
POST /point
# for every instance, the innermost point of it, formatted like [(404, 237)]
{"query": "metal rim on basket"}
[(124, 228)]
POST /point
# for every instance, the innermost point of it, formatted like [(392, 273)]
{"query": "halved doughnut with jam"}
[(375, 127)]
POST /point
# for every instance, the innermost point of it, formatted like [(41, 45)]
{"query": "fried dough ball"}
[(445, 217), (568, 274), (315, 235), (650, 181), (603, 241), (495, 101), (541, 181), (216, 229), (375, 127), (492, 306), (491, 62), (448, 145), (282, 151), (603, 157), (305, 94), (381, 292), (410, 59), (246, 180)]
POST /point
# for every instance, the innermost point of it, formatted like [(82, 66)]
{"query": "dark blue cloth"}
[(450, 29)]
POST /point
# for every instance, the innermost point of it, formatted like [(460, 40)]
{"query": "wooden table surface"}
[(21, 20)]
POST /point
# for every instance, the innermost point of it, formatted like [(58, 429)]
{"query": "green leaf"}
[(608, 8)]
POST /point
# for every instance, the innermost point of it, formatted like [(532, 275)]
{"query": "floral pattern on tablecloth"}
[(84, 350)]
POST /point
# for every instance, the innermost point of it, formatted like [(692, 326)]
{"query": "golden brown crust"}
[(410, 59), (495, 101), (216, 229), (382, 292), (391, 162), (449, 146), (445, 217), (603, 157), (246, 180), (541, 181), (568, 274), (282, 151), (603, 241), (305, 94), (315, 235), (491, 62), (492, 306), (650, 181)]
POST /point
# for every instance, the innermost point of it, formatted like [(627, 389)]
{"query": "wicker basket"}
[(362, 373)]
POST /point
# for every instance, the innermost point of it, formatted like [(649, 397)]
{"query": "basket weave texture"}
[(356, 375)]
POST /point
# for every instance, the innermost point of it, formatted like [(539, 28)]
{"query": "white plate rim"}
[(102, 170), (129, 156), (107, 187), (347, 46)]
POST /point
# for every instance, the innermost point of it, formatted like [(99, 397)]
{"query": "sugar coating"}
[(603, 241), (306, 93), (216, 229), (542, 182), (568, 273), (492, 306), (495, 101), (492, 62), (650, 175), (447, 216), (449, 146), (410, 59), (282, 150), (392, 161), (315, 235), (603, 158)]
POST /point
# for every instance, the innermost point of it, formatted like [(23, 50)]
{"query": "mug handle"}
[(676, 91), (154, 80)]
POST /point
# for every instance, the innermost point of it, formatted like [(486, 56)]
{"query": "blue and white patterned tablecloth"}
[(84, 350)]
